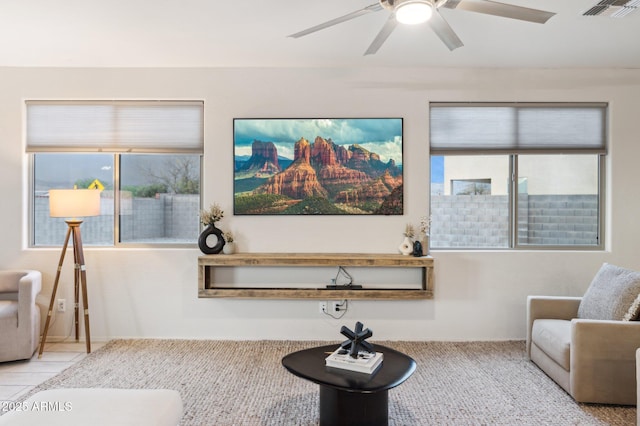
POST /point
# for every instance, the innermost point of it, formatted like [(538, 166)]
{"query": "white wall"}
[(479, 295)]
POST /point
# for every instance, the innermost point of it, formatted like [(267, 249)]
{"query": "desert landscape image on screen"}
[(318, 166)]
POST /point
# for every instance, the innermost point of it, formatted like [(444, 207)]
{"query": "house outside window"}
[(470, 186), (144, 156), (514, 176)]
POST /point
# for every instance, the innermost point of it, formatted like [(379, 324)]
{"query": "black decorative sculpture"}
[(417, 248), (356, 340)]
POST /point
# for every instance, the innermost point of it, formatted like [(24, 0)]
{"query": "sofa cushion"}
[(553, 337), (633, 313), (611, 294)]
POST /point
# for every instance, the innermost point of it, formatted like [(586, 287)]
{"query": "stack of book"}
[(366, 362)]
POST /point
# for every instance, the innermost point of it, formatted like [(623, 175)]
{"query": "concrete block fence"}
[(461, 221), (458, 221), (167, 218)]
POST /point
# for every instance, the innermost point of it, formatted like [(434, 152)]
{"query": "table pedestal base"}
[(339, 407)]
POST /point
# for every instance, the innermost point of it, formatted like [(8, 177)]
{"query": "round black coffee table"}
[(350, 398)]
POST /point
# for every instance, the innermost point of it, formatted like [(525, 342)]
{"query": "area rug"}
[(244, 383)]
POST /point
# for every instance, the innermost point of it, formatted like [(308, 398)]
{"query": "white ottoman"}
[(97, 407)]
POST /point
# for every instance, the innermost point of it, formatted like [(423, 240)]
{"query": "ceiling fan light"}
[(413, 12)]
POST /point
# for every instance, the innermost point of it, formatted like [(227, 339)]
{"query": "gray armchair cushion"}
[(611, 294)]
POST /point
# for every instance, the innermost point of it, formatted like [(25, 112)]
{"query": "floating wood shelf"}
[(207, 287)]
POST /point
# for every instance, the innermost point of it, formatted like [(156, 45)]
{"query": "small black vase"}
[(202, 240), (417, 249)]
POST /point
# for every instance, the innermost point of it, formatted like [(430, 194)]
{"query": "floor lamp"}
[(73, 203)]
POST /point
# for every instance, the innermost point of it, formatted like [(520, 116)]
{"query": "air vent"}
[(613, 8)]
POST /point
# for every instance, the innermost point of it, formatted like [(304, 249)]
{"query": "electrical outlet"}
[(62, 305), (335, 307), (323, 307)]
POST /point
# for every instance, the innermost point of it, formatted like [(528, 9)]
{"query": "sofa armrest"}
[(603, 357), (549, 307), (29, 287), (602, 339)]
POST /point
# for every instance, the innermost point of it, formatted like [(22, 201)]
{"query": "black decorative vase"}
[(417, 248), (202, 240)]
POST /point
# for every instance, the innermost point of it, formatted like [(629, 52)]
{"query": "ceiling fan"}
[(419, 11)]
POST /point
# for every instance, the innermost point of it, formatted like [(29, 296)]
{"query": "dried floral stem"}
[(408, 231), (212, 215), (425, 225)]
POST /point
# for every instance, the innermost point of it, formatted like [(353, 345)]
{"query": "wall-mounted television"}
[(318, 166)]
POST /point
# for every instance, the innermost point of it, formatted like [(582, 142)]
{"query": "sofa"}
[(638, 384), (19, 314), (588, 344)]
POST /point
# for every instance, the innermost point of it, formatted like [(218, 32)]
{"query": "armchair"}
[(591, 358), (19, 314), (638, 382)]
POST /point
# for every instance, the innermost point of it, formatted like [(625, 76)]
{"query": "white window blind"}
[(115, 126), (518, 128)]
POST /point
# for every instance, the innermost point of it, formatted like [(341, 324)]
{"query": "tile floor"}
[(19, 377)]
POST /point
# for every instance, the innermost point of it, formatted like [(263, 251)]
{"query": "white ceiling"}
[(252, 33)]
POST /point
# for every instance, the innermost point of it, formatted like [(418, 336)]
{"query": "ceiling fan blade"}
[(444, 31), (372, 8), (489, 7), (383, 35)]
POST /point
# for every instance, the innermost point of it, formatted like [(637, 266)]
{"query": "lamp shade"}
[(71, 203)]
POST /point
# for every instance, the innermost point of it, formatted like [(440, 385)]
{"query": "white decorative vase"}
[(406, 248), (229, 248)]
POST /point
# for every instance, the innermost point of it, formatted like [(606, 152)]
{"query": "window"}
[(517, 175), (470, 186), (145, 157)]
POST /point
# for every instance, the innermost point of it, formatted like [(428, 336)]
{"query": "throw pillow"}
[(634, 311), (611, 294)]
